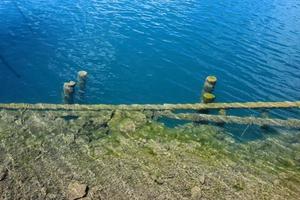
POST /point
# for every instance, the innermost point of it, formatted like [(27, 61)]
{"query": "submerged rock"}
[(127, 126), (77, 190), (127, 122), (196, 193), (3, 173), (202, 179)]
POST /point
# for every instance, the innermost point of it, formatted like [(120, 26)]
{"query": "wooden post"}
[(209, 84), (68, 96), (264, 114), (207, 95), (222, 112), (81, 78)]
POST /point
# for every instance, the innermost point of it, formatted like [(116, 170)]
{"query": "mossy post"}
[(81, 78), (221, 112), (264, 114), (69, 89), (209, 84), (207, 95)]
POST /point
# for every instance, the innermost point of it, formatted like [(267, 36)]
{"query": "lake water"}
[(154, 51), (148, 51)]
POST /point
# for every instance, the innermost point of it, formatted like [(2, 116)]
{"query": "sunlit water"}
[(139, 51)]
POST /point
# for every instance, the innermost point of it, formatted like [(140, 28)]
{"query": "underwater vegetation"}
[(128, 155)]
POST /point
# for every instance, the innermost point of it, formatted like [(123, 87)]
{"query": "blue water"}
[(139, 51)]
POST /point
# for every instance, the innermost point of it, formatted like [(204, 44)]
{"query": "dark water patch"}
[(9, 67)]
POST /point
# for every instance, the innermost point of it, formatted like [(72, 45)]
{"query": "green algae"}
[(114, 152)]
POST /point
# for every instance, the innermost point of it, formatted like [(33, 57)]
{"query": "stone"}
[(159, 181), (202, 179), (276, 182), (77, 190), (3, 173), (196, 193)]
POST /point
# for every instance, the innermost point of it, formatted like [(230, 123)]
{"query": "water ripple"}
[(152, 51)]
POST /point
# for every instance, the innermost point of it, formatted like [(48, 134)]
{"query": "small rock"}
[(69, 138), (196, 193), (159, 181), (127, 126), (276, 182), (202, 179), (3, 173), (51, 196), (77, 190)]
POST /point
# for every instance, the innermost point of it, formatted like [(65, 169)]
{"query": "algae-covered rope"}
[(291, 123), (196, 106)]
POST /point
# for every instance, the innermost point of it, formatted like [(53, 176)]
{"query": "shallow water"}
[(150, 51), (123, 155)]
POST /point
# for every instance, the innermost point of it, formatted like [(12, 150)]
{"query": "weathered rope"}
[(196, 106)]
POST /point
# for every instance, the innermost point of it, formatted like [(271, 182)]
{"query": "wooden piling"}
[(68, 92), (208, 88), (265, 115), (209, 84), (207, 95), (222, 112)]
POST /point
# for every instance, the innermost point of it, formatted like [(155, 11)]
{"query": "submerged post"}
[(222, 112), (265, 115), (68, 96), (81, 78)]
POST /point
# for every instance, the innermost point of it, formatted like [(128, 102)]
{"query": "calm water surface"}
[(139, 51)]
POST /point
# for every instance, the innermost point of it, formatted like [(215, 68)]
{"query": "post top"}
[(82, 73), (208, 96), (211, 79), (70, 84)]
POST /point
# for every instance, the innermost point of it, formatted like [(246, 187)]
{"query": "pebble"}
[(196, 193), (202, 179), (159, 181), (127, 126), (3, 173)]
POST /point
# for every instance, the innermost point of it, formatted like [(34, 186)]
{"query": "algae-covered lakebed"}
[(128, 155)]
